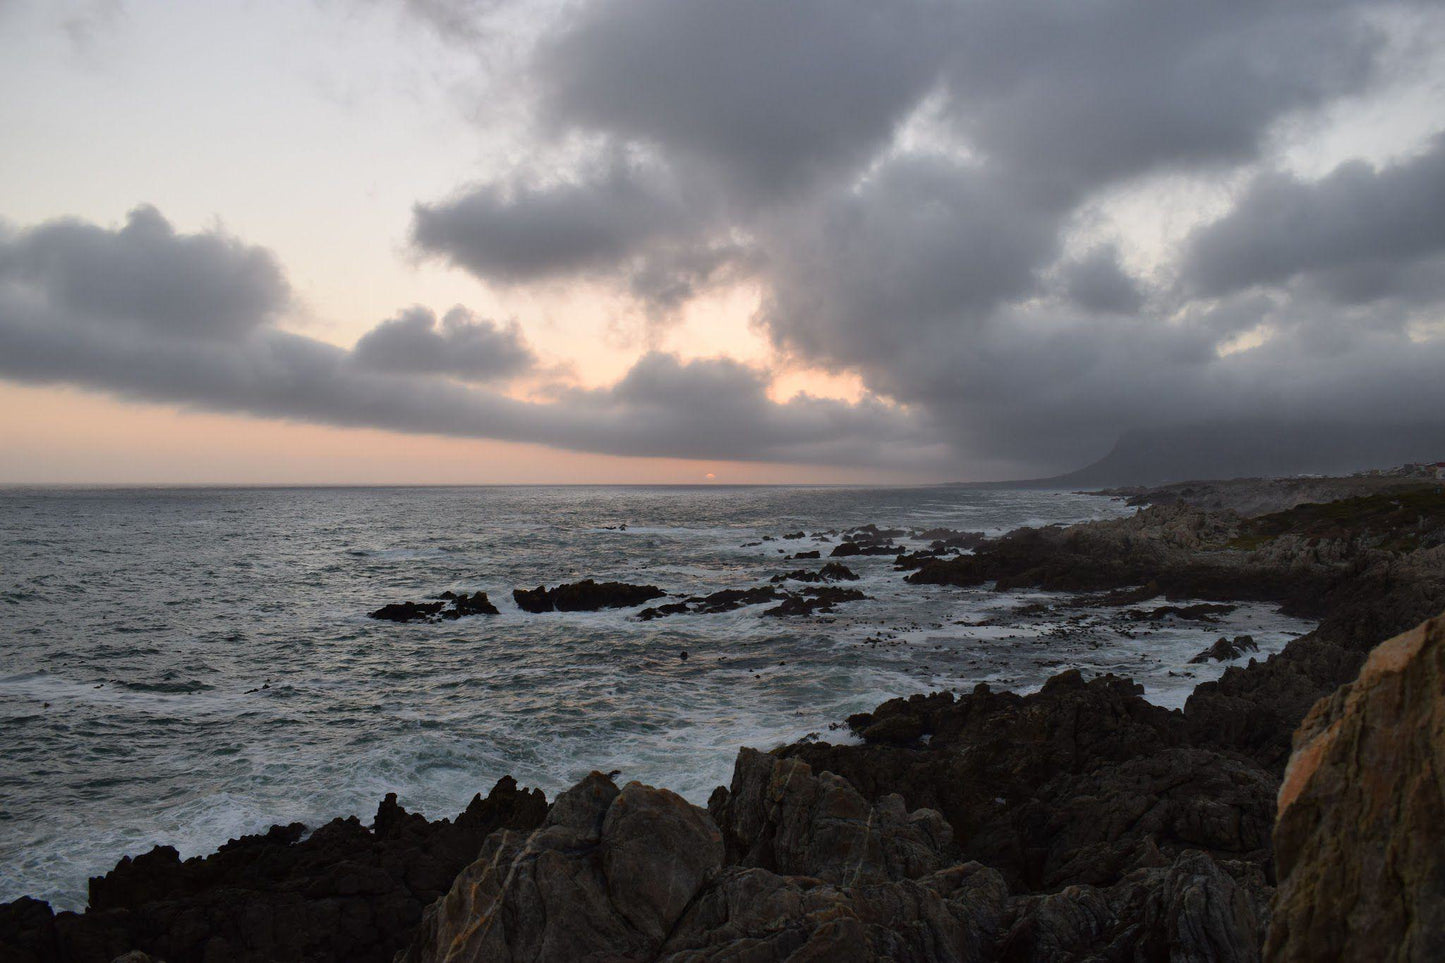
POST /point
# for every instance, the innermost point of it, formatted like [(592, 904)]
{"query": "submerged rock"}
[(1360, 841)]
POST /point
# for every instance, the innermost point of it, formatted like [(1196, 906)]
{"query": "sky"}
[(435, 241)]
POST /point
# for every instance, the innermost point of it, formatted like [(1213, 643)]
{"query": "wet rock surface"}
[(585, 596)]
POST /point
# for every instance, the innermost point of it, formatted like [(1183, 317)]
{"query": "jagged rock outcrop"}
[(1360, 841), (793, 864), (815, 873), (344, 893), (1082, 782), (781, 816), (1191, 911), (606, 876)]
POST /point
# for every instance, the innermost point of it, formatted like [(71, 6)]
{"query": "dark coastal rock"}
[(1360, 840), (1142, 849), (942, 539), (1256, 708), (1118, 597), (451, 606), (1191, 910), (345, 893), (1224, 650), (661, 611), (816, 599), (781, 816), (475, 604), (1080, 782), (640, 874), (724, 601), (963, 571), (1200, 612), (832, 572), (729, 599), (800, 556), (907, 561), (585, 596), (846, 549), (1367, 570), (872, 533), (407, 611), (607, 876)]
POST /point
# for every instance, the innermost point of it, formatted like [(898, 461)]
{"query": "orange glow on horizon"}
[(68, 436)]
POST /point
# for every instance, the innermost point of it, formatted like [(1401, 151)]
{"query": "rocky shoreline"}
[(1078, 822)]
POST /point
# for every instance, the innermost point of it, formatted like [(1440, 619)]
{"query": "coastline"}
[(1068, 763)]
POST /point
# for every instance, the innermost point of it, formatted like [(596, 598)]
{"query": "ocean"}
[(183, 666)]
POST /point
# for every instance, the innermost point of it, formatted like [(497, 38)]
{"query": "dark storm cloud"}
[(909, 185), (516, 232), (57, 327), (1079, 95), (902, 180), (462, 345), (1096, 282), (1354, 232), (768, 94), (913, 257), (145, 275)]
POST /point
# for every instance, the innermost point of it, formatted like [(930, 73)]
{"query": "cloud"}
[(918, 254), (514, 232), (146, 276), (910, 187), (1080, 95), (767, 95), (1357, 233), (52, 333), (1096, 282), (463, 345)]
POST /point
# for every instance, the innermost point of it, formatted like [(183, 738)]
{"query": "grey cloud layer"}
[(902, 179), (463, 345), (1352, 231), (150, 314), (145, 275)]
